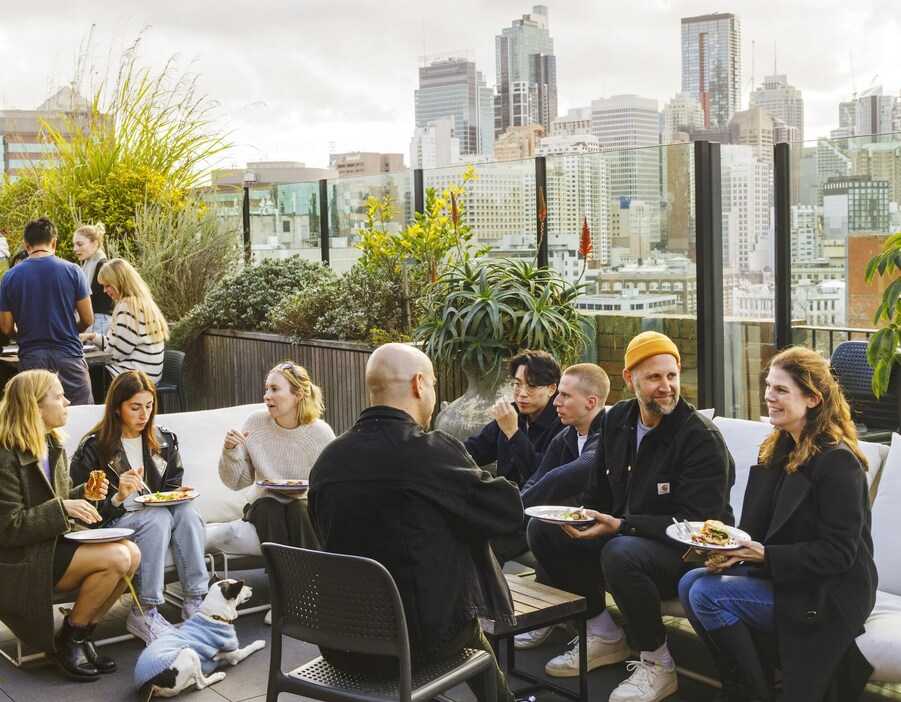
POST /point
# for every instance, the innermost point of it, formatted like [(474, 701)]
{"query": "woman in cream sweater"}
[(278, 444)]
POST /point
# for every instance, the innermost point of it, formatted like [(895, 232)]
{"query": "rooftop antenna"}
[(853, 80), (775, 71)]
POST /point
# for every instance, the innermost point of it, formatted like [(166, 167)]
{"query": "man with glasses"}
[(657, 459), (522, 430)]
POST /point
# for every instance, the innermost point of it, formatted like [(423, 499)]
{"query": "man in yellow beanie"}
[(657, 458)]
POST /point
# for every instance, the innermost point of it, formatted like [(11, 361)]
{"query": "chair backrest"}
[(855, 376), (173, 361), (348, 603)]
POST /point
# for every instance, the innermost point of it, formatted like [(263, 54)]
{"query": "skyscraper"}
[(450, 86), (711, 65), (526, 73), (781, 100)]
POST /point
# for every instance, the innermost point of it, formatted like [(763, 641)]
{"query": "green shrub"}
[(360, 306), (245, 300)]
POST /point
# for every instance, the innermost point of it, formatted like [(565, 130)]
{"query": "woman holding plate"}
[(39, 506), (275, 446), (141, 459), (810, 559)]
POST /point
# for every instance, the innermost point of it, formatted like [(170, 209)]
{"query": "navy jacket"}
[(417, 503), (564, 472), (519, 457)]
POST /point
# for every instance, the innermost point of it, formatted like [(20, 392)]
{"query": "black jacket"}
[(162, 469), (682, 469), (564, 473), (101, 303), (416, 502), (518, 457), (819, 554)]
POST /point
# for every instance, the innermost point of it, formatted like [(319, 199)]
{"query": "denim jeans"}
[(156, 529), (715, 601)]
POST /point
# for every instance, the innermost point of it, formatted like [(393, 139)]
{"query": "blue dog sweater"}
[(204, 636)]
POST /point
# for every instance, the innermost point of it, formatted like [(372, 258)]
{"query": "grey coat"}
[(32, 516)]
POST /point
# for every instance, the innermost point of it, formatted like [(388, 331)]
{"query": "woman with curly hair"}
[(807, 577)]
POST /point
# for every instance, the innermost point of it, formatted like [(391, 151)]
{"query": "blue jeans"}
[(715, 601), (156, 529)]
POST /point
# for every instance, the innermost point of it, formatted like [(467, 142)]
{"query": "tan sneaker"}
[(600, 652), (532, 639), (649, 682)]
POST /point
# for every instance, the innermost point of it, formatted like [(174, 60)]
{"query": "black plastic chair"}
[(349, 603), (875, 419), (171, 382)]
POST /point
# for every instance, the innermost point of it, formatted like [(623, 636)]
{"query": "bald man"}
[(416, 502)]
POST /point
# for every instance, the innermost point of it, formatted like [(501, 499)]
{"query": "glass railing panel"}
[(845, 202), (348, 207)]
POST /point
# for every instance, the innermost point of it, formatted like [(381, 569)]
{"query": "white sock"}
[(661, 656), (604, 626)]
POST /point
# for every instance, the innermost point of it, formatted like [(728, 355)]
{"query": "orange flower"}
[(585, 240)]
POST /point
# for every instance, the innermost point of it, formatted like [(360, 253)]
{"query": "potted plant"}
[(480, 312), (884, 348)]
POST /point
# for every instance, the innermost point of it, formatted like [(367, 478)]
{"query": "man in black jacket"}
[(417, 503), (521, 431), (657, 458)]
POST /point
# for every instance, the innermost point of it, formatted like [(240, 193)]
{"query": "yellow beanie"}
[(647, 344)]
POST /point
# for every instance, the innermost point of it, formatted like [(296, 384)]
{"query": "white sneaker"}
[(268, 618), (600, 652), (149, 627), (532, 639), (191, 606), (649, 682)]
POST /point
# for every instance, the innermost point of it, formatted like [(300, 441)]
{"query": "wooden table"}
[(535, 606), (96, 359)]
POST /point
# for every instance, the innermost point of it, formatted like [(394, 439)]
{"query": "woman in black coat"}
[(808, 576)]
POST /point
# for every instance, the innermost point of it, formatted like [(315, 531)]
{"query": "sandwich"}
[(713, 533), (95, 483)]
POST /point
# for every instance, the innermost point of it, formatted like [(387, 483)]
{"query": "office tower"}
[(624, 124), (576, 121), (357, 163), (681, 114), (434, 146), (746, 186), (450, 86), (782, 101), (854, 204), (526, 74), (754, 128), (711, 65)]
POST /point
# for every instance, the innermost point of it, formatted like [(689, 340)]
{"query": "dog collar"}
[(220, 619)]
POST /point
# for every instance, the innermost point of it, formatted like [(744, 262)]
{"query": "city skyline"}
[(293, 80)]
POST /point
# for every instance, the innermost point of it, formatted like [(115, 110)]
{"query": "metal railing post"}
[(709, 245), (418, 191), (541, 192), (323, 222), (783, 243)]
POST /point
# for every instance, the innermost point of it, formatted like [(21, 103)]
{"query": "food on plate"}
[(95, 483), (167, 496), (573, 515), (269, 481), (714, 533)]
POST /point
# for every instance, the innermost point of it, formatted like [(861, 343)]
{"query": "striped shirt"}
[(128, 341)]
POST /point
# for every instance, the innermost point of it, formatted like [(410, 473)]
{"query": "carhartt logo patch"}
[(663, 488)]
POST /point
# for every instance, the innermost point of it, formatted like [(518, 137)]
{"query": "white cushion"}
[(743, 438), (887, 521), (81, 419), (709, 412), (875, 454), (200, 436), (237, 538), (881, 643)]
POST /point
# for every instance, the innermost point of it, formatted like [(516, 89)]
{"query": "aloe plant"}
[(481, 312)]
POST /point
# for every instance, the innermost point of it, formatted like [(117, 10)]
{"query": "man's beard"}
[(655, 407)]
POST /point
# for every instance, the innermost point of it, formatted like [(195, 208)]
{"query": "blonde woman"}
[(87, 241), (38, 505), (279, 443), (138, 331)]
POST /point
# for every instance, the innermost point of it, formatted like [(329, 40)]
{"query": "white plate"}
[(98, 536), (553, 514), (294, 486), (673, 531), (147, 500)]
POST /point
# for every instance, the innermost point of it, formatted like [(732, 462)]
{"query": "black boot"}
[(731, 691), (70, 655), (103, 664), (737, 648)]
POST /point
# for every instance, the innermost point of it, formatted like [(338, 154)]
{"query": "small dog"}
[(192, 653)]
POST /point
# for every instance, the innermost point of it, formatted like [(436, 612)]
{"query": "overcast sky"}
[(293, 76)]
